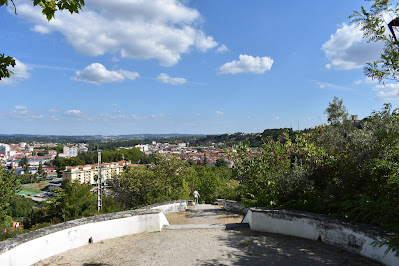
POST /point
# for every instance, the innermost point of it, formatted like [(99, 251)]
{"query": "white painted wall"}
[(312, 227), (174, 207), (49, 245)]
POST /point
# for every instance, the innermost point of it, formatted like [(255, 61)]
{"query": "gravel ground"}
[(216, 246)]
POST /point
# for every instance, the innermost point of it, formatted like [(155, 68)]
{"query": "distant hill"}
[(228, 140), (115, 141), (14, 138)]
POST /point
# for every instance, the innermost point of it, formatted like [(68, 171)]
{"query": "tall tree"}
[(9, 186), (73, 201), (336, 112)]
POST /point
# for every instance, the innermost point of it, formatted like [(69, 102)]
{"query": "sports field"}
[(32, 189)]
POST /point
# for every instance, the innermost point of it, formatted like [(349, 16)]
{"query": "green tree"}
[(260, 174), (171, 171), (49, 7), (221, 162), (73, 201), (136, 187), (59, 149), (20, 207), (336, 112), (26, 169), (378, 25), (9, 186), (40, 171), (23, 162), (210, 182)]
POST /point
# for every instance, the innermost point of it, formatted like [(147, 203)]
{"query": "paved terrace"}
[(207, 235)]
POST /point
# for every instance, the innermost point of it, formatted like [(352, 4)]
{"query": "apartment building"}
[(88, 173), (4, 149)]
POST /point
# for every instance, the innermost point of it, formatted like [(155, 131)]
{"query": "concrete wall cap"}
[(325, 219), (10, 243)]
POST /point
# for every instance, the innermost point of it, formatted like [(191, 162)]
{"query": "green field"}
[(31, 189)]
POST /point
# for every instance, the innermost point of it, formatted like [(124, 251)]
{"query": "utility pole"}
[(99, 184)]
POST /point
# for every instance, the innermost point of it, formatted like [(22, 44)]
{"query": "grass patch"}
[(34, 188)]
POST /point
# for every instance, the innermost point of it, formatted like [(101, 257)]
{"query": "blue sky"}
[(193, 66)]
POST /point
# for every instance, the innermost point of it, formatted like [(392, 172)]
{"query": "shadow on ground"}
[(257, 248)]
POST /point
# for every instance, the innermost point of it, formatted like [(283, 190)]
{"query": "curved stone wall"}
[(52, 240), (234, 206), (357, 238)]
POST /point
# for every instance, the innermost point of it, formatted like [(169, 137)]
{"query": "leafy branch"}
[(49, 7), (381, 16)]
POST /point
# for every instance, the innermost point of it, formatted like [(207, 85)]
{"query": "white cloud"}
[(20, 71), (53, 111), (73, 113), (248, 64), (164, 78), (204, 43), (370, 80), (387, 92), (23, 112), (326, 85), (20, 107), (151, 29), (219, 112), (222, 48), (276, 118), (367, 80), (158, 116), (347, 49), (96, 73), (116, 115)]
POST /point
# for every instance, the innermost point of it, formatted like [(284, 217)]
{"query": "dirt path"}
[(216, 246)]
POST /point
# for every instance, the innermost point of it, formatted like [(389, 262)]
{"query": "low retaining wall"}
[(168, 207), (357, 238), (234, 206), (52, 240)]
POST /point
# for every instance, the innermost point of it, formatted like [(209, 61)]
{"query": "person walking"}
[(196, 196)]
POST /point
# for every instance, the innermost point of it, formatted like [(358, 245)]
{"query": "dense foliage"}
[(113, 145), (228, 140), (169, 179), (9, 186), (72, 201), (341, 169)]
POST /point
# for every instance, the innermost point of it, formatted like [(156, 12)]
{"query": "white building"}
[(88, 173), (36, 160), (29, 148), (5, 149), (22, 144), (82, 147), (70, 151), (143, 148)]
